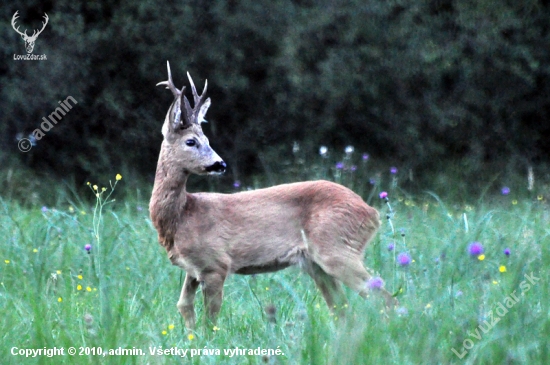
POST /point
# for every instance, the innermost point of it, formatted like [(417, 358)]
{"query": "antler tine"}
[(170, 84), (198, 99), (13, 19)]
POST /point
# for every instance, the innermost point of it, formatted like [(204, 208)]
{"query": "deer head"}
[(183, 134), (29, 41)]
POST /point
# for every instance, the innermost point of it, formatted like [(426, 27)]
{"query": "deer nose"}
[(218, 166)]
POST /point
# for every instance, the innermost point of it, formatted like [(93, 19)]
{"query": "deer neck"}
[(169, 197)]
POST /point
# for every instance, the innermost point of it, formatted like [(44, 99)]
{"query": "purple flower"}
[(475, 248), (393, 170), (507, 251), (139, 208), (372, 181), (237, 184), (391, 246), (87, 247), (505, 190), (339, 165), (403, 259), (375, 283), (44, 209), (365, 156), (353, 168), (383, 195)]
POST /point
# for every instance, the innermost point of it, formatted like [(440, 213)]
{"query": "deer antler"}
[(199, 102), (35, 35), (15, 16), (170, 84)]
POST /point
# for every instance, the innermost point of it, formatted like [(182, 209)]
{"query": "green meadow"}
[(114, 301)]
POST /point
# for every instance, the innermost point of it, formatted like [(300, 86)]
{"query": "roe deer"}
[(319, 225)]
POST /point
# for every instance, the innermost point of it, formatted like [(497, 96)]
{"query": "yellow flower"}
[(79, 287), (79, 276), (58, 272), (88, 183), (495, 282), (71, 209), (118, 177), (540, 197), (34, 250), (164, 332), (171, 327), (216, 328), (95, 187), (502, 268), (514, 202), (266, 288), (7, 261), (103, 189), (82, 212), (429, 305), (88, 288), (481, 257), (190, 337), (59, 299)]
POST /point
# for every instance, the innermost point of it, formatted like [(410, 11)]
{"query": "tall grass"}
[(122, 292)]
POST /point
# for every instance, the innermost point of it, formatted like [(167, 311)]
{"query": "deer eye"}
[(191, 142)]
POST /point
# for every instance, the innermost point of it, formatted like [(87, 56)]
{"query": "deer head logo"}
[(29, 41)]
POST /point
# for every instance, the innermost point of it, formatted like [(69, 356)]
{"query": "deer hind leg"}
[(353, 274), (187, 297), (212, 289), (328, 285)]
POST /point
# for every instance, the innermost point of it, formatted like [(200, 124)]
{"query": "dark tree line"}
[(424, 83)]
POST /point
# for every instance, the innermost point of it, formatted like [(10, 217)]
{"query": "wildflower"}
[(79, 287), (495, 282), (505, 190), (365, 157), (103, 189), (372, 181), (164, 332), (79, 277), (71, 209), (502, 268), (507, 251), (383, 195), (7, 261), (59, 299), (58, 272), (118, 177), (95, 187), (475, 248), (429, 305), (44, 209), (323, 151), (375, 283), (353, 168), (88, 289), (458, 293), (514, 202), (402, 311), (34, 250), (82, 212), (215, 328), (88, 183), (339, 165), (171, 327), (391, 246), (481, 257), (87, 247), (404, 259), (349, 150), (237, 184), (190, 337), (393, 170), (540, 197)]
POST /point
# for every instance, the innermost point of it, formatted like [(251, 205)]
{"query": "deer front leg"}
[(187, 297), (212, 290)]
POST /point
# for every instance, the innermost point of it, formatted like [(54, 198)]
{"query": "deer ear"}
[(202, 111)]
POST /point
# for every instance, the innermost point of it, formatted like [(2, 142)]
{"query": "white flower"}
[(349, 150), (323, 151)]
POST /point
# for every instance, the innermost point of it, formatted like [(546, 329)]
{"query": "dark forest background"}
[(431, 86)]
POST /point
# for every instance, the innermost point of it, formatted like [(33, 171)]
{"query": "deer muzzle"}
[(217, 168)]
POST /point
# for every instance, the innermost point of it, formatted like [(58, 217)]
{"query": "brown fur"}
[(319, 225)]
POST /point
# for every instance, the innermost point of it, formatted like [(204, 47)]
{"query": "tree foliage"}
[(424, 83)]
